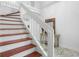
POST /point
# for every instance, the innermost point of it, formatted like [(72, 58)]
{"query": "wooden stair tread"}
[(10, 20), (10, 17), (12, 28), (4, 35), (13, 13), (14, 41), (34, 54), (10, 24), (16, 50)]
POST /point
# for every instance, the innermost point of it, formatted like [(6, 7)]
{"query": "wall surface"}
[(6, 10), (67, 21)]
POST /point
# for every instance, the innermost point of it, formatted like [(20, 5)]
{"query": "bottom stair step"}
[(16, 50), (34, 54)]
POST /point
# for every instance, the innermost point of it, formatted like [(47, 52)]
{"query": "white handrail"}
[(38, 18), (32, 12)]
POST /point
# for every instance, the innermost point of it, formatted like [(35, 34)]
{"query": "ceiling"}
[(44, 4)]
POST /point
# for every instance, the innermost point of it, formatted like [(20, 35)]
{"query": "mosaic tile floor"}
[(64, 52)]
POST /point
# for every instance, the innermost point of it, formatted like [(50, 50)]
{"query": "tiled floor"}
[(64, 52), (45, 47)]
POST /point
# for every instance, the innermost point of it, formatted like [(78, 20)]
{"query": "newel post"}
[(50, 37), (50, 43)]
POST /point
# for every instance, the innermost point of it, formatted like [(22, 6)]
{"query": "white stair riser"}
[(13, 46), (8, 38), (9, 18), (10, 22), (11, 26), (14, 16), (11, 31), (24, 53)]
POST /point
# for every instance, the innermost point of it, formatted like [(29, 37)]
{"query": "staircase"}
[(15, 39)]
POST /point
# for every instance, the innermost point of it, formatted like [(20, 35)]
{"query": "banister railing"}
[(38, 19), (35, 12)]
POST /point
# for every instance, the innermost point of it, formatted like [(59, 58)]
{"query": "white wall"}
[(67, 21), (6, 10)]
